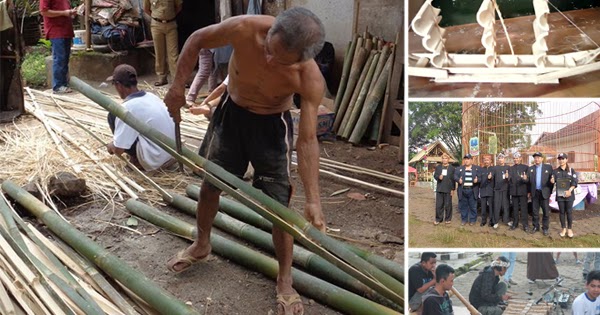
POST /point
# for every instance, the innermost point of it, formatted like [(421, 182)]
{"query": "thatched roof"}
[(433, 153)]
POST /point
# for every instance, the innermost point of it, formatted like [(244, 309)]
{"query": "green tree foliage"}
[(431, 121)]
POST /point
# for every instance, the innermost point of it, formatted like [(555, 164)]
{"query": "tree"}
[(430, 121)]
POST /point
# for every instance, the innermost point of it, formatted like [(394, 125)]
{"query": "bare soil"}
[(222, 287)]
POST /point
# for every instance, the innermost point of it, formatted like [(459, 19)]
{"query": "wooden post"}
[(88, 28)]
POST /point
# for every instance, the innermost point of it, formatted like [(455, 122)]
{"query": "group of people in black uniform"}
[(496, 187)]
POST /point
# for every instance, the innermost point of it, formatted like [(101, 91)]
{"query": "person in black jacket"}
[(421, 277), (541, 181), (488, 292), (518, 191), (468, 190), (444, 175), (436, 300), (565, 202), (500, 177), (486, 191)]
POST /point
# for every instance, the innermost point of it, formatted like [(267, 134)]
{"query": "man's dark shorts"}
[(236, 136)]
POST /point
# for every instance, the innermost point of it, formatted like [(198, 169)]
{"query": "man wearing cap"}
[(149, 109), (444, 176), (164, 36), (540, 187), (500, 177), (486, 191), (468, 190), (518, 191)]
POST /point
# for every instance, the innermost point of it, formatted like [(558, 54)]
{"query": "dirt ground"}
[(222, 287), (424, 234)]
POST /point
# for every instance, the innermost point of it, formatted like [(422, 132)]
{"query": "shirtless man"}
[(272, 60)]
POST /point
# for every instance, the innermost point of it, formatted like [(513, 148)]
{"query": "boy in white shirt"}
[(588, 302)]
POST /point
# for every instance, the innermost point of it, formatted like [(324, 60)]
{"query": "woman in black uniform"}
[(565, 180)]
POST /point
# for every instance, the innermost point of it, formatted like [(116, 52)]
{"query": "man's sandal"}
[(182, 258), (287, 301)]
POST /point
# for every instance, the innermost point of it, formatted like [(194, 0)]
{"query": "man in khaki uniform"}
[(164, 34)]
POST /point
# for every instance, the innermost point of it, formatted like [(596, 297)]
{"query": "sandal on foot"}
[(160, 82), (563, 233), (287, 301), (183, 258), (570, 233)]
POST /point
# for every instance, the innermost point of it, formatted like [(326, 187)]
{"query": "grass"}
[(34, 66), (432, 237)]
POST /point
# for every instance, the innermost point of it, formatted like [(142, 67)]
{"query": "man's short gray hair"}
[(301, 31)]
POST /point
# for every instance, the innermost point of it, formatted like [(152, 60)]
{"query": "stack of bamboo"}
[(38, 276), (365, 79)]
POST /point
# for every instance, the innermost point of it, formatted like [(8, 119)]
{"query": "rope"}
[(572, 23)]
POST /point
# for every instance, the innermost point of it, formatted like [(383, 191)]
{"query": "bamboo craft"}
[(158, 298), (291, 222), (308, 285)]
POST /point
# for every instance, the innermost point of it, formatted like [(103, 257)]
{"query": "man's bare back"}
[(258, 81)]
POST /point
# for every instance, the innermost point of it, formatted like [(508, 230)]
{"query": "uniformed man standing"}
[(500, 176), (486, 191), (164, 34), (541, 182), (518, 191), (444, 175)]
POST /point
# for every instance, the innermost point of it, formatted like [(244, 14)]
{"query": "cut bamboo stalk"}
[(373, 56), (373, 130), (371, 104), (245, 214), (160, 299), (58, 285), (37, 282), (352, 170), (386, 100), (362, 94), (362, 169), (357, 64), (76, 167), (95, 159), (313, 287), (6, 305), (90, 272), (18, 294), (308, 261), (345, 72), (290, 221), (385, 52)]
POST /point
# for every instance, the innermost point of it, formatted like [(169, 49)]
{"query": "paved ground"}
[(568, 269)]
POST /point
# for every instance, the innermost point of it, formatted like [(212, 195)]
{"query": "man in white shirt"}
[(149, 109), (588, 302)]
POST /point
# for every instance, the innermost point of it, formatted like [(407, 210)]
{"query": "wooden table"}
[(563, 38)]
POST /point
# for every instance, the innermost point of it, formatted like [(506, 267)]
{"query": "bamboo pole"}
[(345, 72), (69, 286), (387, 90), (6, 305), (290, 221), (371, 104), (245, 214), (160, 299), (357, 64), (307, 260), (308, 285), (18, 294), (362, 170), (373, 56), (385, 53), (360, 99)]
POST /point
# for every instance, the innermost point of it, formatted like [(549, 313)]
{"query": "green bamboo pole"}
[(373, 55), (288, 220), (158, 298), (345, 72), (81, 297), (371, 104), (308, 285), (307, 260), (360, 58), (353, 117), (12, 236), (373, 130), (245, 214), (385, 53)]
